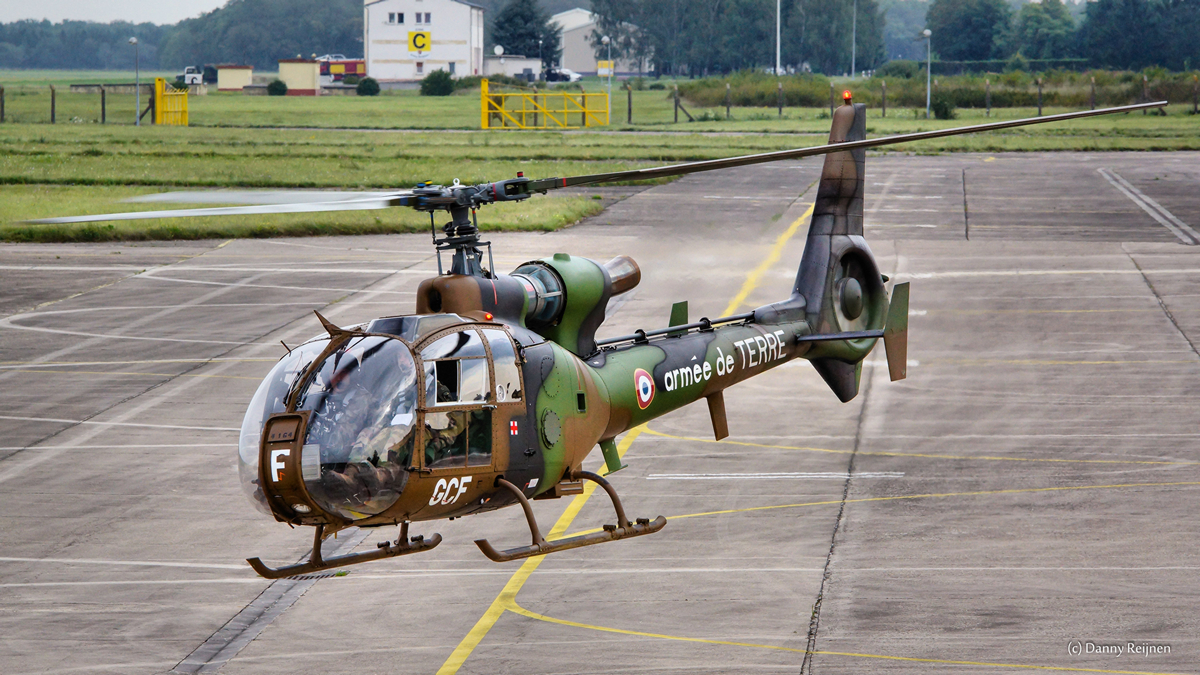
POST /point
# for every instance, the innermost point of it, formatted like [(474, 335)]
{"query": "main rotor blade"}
[(745, 160), (367, 204), (253, 197)]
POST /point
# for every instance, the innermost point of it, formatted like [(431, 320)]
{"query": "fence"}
[(531, 109), (170, 104)]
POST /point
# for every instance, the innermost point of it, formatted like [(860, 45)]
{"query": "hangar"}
[(405, 40)]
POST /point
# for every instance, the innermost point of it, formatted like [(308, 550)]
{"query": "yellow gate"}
[(170, 104), (532, 109)]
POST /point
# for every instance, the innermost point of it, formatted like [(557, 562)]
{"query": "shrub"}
[(899, 68), (942, 106), (367, 87), (277, 88), (437, 83), (657, 86), (350, 80)]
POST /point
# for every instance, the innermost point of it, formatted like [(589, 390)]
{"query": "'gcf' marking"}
[(643, 385), (760, 349), (444, 491)]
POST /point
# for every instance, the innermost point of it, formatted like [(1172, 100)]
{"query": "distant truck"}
[(197, 75), (335, 68)]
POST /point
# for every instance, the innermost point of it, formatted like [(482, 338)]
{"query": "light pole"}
[(542, 63), (778, 23), (137, 76), (854, 41), (928, 62), (611, 67)]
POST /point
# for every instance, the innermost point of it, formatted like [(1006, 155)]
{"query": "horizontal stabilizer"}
[(895, 333)]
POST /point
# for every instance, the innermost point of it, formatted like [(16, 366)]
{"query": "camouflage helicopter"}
[(495, 390)]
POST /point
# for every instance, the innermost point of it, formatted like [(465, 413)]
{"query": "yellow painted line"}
[(755, 276), (509, 593), (987, 458), (513, 607)]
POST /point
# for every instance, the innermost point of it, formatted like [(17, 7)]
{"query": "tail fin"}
[(838, 278)]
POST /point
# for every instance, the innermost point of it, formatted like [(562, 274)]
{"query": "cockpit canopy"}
[(366, 428)]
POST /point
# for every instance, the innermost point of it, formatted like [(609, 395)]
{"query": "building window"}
[(391, 17), (400, 17), (451, 67), (420, 67)]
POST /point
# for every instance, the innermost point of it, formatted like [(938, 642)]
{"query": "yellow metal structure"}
[(531, 109), (170, 104)]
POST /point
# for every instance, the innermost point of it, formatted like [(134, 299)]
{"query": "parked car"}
[(563, 75)]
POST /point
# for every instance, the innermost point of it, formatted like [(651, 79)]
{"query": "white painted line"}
[(1156, 211), (137, 563), (119, 447), (286, 288), (1034, 273), (291, 270), (774, 476), (8, 323), (165, 582), (112, 424)]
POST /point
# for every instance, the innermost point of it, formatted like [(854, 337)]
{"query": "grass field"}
[(79, 166)]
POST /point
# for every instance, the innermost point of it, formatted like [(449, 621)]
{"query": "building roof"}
[(368, 3), (573, 19)]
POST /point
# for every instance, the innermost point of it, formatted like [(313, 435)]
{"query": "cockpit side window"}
[(504, 362), (458, 393)]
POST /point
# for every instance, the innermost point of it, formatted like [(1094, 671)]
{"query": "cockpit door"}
[(459, 399)]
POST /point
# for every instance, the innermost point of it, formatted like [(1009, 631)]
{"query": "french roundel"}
[(643, 384)]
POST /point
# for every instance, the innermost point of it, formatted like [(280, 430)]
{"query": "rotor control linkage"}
[(622, 530), (386, 549)]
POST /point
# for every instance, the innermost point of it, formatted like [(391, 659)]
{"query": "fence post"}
[(885, 98), (831, 95), (987, 96), (1195, 97), (103, 105), (1093, 93), (1145, 91), (629, 108), (727, 116), (52, 104), (1, 104), (1039, 84), (676, 96), (780, 85)]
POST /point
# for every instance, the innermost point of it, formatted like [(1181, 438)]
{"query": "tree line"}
[(670, 37), (699, 37)]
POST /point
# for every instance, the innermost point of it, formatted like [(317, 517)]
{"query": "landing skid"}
[(622, 530), (386, 549)]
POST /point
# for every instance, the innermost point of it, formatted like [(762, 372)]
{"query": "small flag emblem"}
[(512, 427)]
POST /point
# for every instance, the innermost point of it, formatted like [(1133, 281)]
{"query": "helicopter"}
[(494, 391)]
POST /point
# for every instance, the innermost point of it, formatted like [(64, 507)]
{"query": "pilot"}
[(341, 415), (440, 443)]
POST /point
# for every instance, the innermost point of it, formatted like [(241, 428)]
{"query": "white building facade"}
[(405, 40), (576, 27)]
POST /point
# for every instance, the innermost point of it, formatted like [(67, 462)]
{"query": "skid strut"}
[(386, 549), (622, 530)]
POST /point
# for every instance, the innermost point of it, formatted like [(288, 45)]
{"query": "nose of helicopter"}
[(355, 444)]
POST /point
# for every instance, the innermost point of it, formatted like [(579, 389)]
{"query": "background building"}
[(578, 54), (405, 40)]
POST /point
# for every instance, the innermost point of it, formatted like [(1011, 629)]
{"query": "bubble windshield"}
[(268, 400), (358, 444)]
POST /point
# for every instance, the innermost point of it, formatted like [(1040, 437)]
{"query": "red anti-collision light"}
[(846, 96), (520, 174), (487, 316)]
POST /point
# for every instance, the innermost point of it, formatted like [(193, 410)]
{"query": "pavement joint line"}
[(119, 373), (136, 563), (254, 618), (512, 606), (959, 274), (468, 644), (1162, 304), (880, 453), (1156, 210)]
